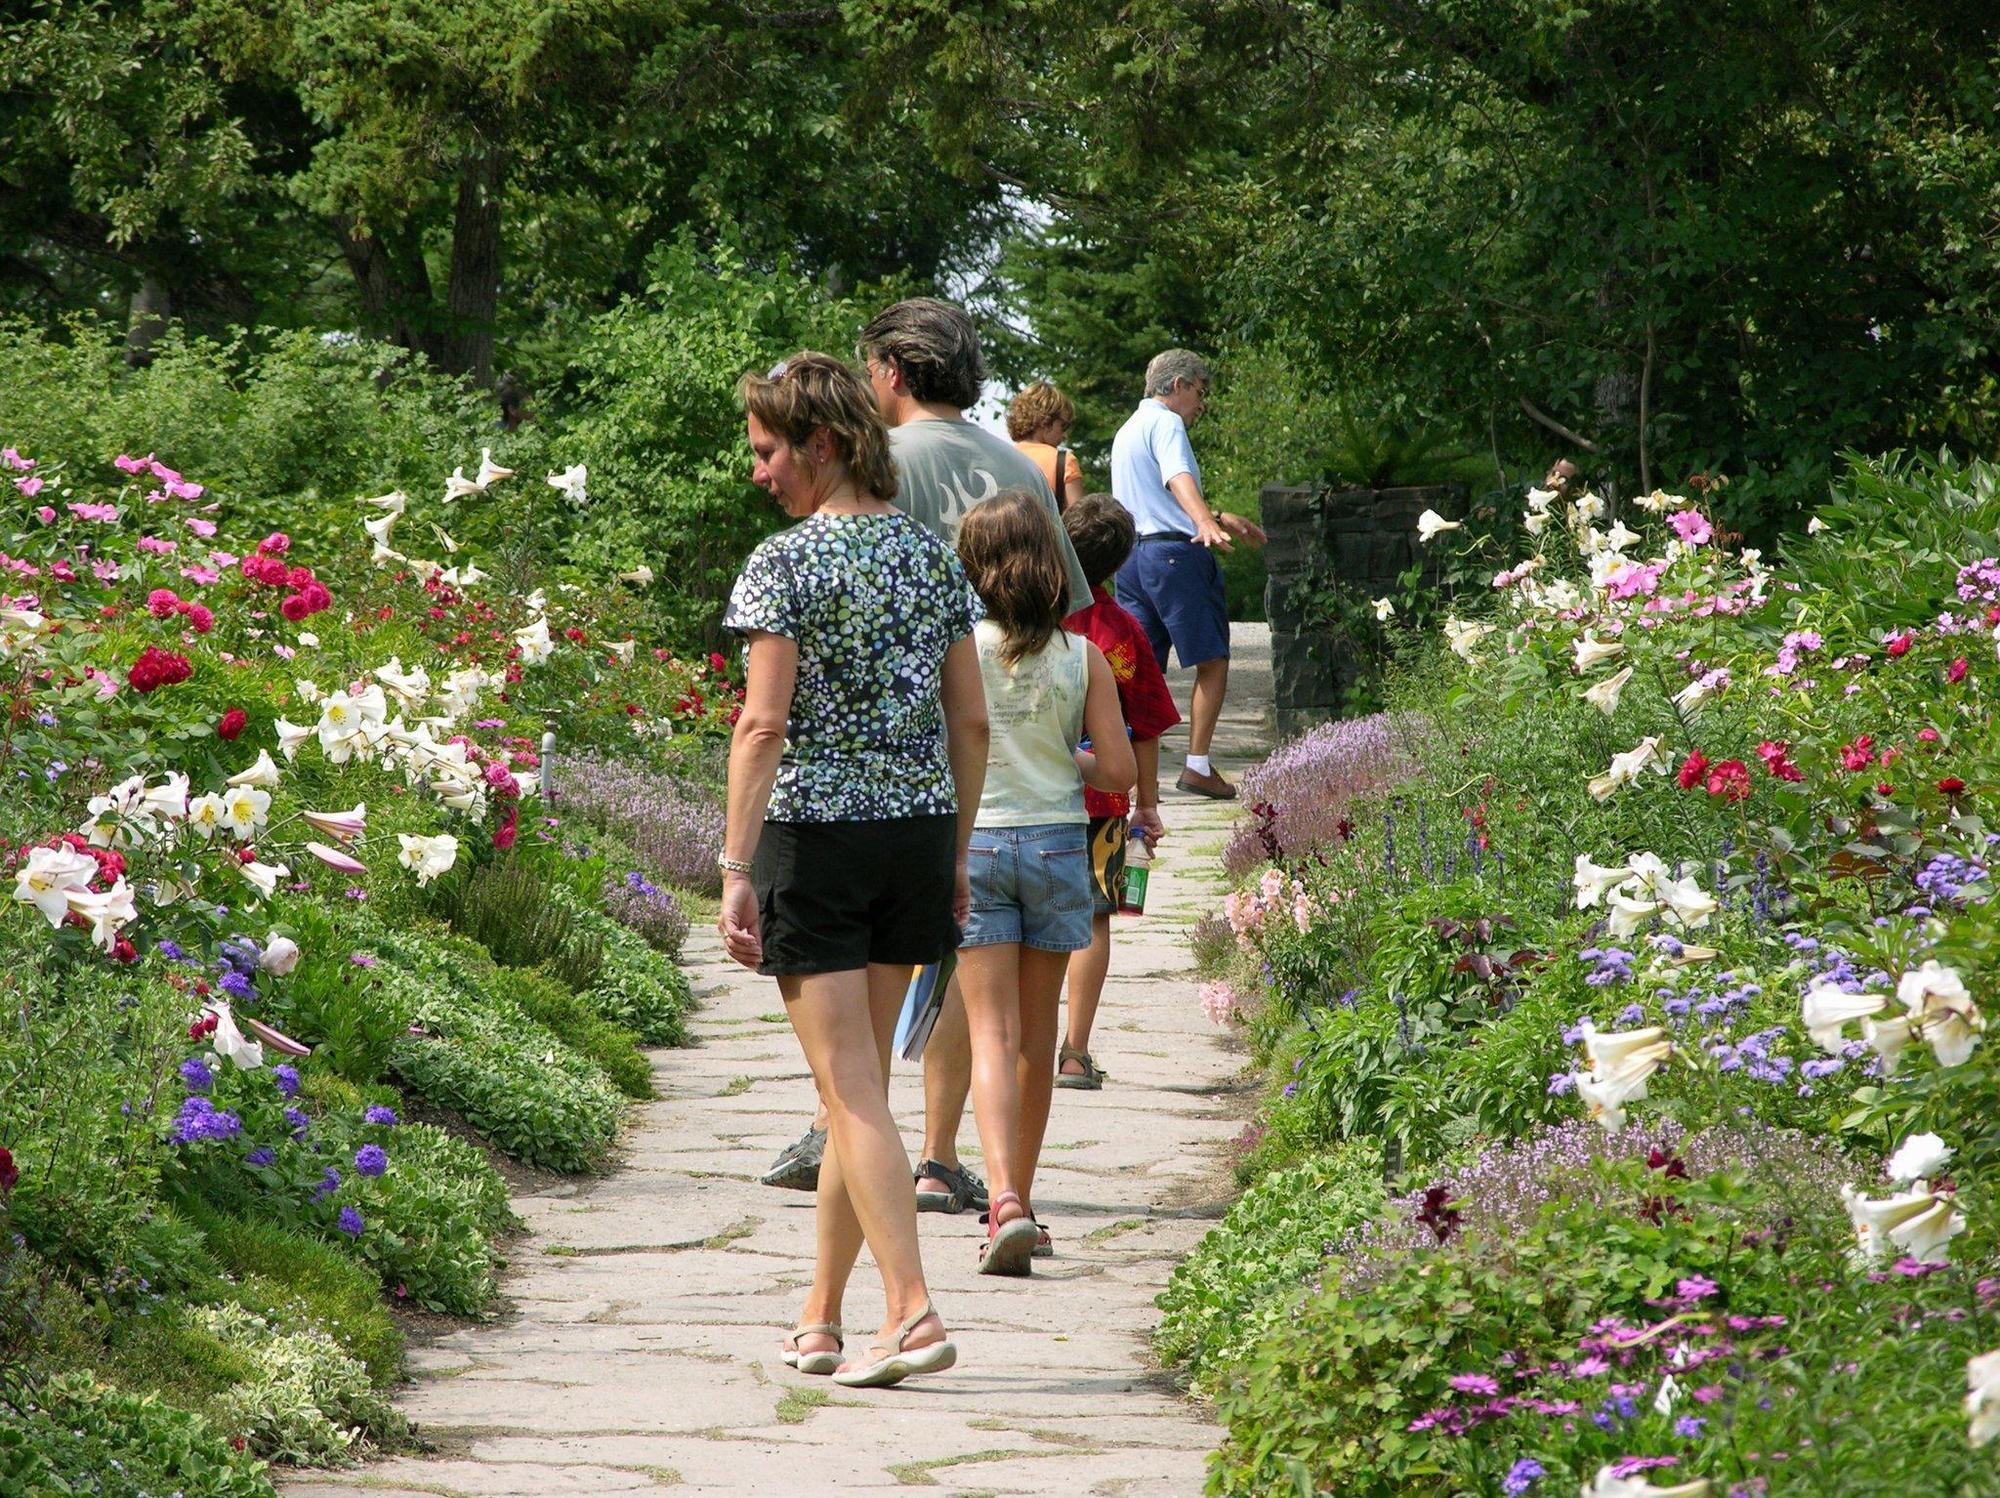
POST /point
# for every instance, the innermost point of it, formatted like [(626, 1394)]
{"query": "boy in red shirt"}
[(1101, 530)]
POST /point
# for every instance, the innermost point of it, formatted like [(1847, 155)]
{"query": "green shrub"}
[(304, 1399), (571, 1016), (524, 918), (347, 1013), (73, 1434), (510, 1078), (638, 987), (1255, 1266)]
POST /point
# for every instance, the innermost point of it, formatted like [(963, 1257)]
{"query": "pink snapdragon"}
[(125, 463), (1218, 1002)]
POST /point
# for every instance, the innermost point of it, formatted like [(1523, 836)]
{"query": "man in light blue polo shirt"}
[(1172, 583)]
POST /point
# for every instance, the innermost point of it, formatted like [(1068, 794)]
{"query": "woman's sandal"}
[(814, 1362), (1045, 1247), (1091, 1078), (895, 1364), (1010, 1246)]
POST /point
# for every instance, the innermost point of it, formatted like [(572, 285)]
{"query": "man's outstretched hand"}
[(1243, 530)]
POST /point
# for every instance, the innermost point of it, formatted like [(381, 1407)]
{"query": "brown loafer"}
[(1210, 785)]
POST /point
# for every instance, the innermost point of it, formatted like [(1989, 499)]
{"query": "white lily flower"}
[(444, 539), (371, 703), (343, 826), (458, 486), (490, 472), (1608, 1051), (244, 810), (281, 955), (1889, 1038), (1690, 904), (640, 576), (1921, 1157), (395, 500), (1625, 768), (309, 692), (1539, 500), (1927, 1236), (537, 602), (382, 555), (1592, 652), (1626, 914), (167, 801), (428, 857), (1669, 1395), (535, 641), (1385, 610), (1691, 696), (1604, 696), (1650, 870), (1618, 538), (1462, 636), (1946, 1016), (1590, 507), (624, 650), (1982, 1397), (1654, 503), (1431, 525), (106, 911), (412, 687), (1534, 522), (230, 1043), (263, 877), (1609, 1485), (380, 528), (263, 771), (291, 736), (1875, 1218), (47, 878), (130, 821), (424, 567), (338, 719), (205, 816), (1594, 880), (1814, 526), (571, 482), (333, 858), (1826, 1010)]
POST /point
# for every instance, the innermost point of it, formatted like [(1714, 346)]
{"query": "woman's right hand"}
[(742, 936), (961, 894)]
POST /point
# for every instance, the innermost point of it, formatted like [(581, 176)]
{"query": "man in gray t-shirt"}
[(945, 465)]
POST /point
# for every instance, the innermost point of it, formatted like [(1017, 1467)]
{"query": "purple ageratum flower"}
[(328, 1184), (240, 954), (297, 1118), (262, 1155), (361, 959), (371, 1160), (236, 985), (199, 1119), (1689, 1427), (172, 951), (379, 1114), (285, 1078), (350, 1223), (197, 1076), (1562, 1083), (1474, 1383), (1521, 1476)]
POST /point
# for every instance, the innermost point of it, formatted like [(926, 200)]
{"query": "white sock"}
[(1198, 764)]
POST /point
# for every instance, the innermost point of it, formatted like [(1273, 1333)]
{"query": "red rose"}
[(1858, 755), (573, 633), (507, 831), (10, 1174), (1951, 785), (201, 618), (1730, 780), (276, 544), (1883, 788), (123, 951), (1955, 672), (716, 663), (1927, 735), (1899, 644), (1776, 757), (298, 577), (316, 596), (161, 602), (157, 668), (294, 607), (1693, 769), (233, 722)]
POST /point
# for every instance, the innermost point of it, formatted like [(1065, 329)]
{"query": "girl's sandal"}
[(1010, 1246), (814, 1362), (1091, 1078), (895, 1364)]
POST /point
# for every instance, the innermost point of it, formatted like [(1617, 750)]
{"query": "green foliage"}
[(1250, 1272), (73, 1434), (638, 987), (552, 1003), (511, 908), (303, 1400)]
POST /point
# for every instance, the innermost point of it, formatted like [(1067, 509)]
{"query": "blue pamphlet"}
[(921, 1005)]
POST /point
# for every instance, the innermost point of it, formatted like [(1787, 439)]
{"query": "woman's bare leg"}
[(989, 977)]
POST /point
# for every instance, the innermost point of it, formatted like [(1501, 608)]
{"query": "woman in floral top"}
[(854, 775)]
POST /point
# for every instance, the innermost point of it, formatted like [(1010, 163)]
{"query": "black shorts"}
[(836, 896)]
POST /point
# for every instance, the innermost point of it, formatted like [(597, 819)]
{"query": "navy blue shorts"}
[(1174, 589)]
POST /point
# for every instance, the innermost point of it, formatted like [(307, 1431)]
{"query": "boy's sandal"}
[(814, 1362), (955, 1199), (1009, 1245), (894, 1365), (1090, 1078)]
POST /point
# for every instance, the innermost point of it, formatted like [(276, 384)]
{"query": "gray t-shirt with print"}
[(944, 468)]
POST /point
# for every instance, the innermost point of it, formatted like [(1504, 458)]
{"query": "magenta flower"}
[(1696, 1287), (1474, 1383), (1692, 527), (29, 486)]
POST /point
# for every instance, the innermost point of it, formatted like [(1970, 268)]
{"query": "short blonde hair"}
[(1035, 407), (809, 391)]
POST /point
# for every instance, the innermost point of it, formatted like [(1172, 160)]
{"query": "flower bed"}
[(1656, 973), (267, 813)]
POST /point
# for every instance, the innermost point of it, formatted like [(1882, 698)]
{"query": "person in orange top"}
[(1039, 421), (1103, 534)]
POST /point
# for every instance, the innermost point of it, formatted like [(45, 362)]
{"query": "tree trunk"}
[(393, 282), (151, 306), (473, 297)]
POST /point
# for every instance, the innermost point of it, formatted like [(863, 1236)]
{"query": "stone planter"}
[(1362, 538)]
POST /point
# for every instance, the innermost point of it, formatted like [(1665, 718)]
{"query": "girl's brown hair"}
[(1009, 547), (808, 391)]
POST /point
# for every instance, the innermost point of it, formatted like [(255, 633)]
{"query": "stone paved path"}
[(639, 1353)]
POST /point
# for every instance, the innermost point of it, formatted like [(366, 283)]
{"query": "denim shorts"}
[(1031, 885)]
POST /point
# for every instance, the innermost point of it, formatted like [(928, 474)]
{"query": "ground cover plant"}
[(1644, 943), (292, 926)]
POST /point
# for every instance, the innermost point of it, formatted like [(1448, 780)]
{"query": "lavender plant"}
[(676, 829), (1302, 794), (634, 900)]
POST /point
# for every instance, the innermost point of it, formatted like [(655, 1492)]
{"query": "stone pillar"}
[(1362, 540)]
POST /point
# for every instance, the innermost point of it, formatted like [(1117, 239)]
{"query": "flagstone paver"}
[(639, 1350)]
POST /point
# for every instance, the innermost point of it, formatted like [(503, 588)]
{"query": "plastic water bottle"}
[(1138, 869)]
